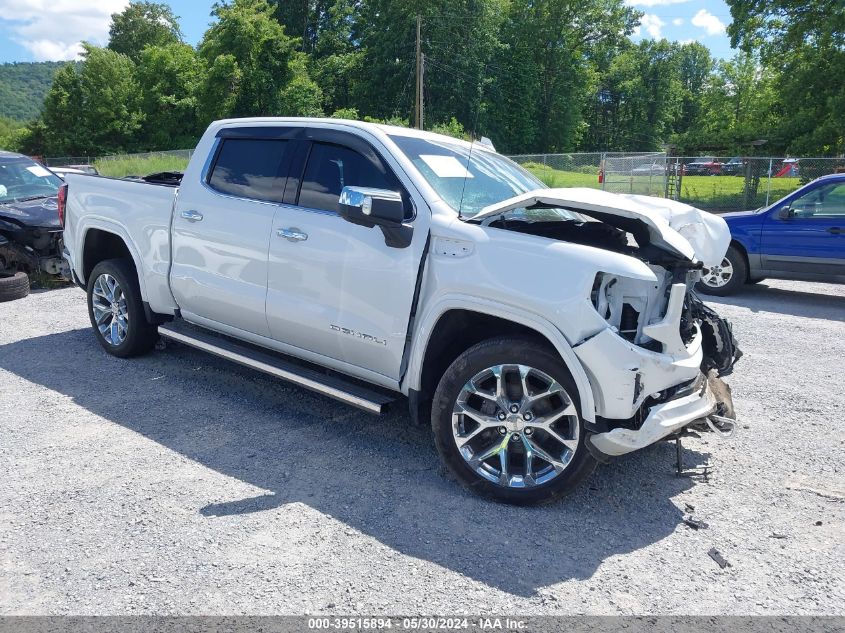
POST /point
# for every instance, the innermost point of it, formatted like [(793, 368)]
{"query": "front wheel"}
[(726, 278), (116, 310), (507, 423)]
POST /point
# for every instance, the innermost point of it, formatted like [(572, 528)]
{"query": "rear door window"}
[(250, 168), (332, 167)]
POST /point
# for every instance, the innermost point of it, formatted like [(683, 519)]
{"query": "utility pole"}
[(419, 98), (422, 95)]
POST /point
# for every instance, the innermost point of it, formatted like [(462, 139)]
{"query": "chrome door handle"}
[(292, 235), (192, 216)]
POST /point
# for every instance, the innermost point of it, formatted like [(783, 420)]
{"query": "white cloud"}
[(54, 29), (709, 22), (652, 25), (678, 21), (653, 3)]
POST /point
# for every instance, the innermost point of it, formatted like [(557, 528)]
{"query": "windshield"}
[(22, 179), (470, 183)]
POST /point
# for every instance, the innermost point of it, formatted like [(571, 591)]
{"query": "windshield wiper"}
[(31, 198)]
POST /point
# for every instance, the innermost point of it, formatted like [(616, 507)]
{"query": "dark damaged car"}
[(30, 229)]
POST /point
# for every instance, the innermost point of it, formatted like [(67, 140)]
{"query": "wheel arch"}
[(739, 246), (98, 243), (454, 325)]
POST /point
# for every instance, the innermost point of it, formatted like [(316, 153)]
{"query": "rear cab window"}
[(250, 168)]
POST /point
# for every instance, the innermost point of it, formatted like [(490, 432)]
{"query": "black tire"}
[(13, 286), (737, 279), (487, 354), (140, 335)]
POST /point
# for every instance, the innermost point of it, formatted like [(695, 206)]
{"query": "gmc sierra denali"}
[(538, 330)]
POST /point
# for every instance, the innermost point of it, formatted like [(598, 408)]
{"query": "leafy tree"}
[(303, 19), (739, 105), (94, 110), (62, 113), (251, 63), (458, 40), (11, 134), (170, 78), (301, 96), (804, 41), (143, 24), (545, 75), (220, 90), (695, 68), (453, 128), (335, 60), (346, 113), (648, 79)]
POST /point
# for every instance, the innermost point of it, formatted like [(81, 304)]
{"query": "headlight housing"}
[(628, 305)]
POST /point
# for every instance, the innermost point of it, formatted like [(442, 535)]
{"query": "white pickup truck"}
[(540, 330)]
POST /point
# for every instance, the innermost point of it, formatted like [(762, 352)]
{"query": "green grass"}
[(718, 193), (118, 167), (727, 192)]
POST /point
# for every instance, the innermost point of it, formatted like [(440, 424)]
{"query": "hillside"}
[(23, 86)]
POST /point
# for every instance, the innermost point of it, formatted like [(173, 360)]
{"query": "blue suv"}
[(801, 236)]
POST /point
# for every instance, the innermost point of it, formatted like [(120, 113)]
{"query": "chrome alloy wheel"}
[(515, 426), (718, 276), (110, 310)]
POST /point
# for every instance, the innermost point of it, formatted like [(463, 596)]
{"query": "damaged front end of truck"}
[(654, 352)]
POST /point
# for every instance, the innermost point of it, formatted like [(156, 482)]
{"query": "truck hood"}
[(673, 226), (41, 213)]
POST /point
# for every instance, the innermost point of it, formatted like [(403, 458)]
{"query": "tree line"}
[(533, 75)]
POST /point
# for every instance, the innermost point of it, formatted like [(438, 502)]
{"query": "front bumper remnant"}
[(713, 399)]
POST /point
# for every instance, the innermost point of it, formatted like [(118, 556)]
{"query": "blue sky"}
[(38, 30), (702, 21)]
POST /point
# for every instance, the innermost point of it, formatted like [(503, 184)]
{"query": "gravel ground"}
[(181, 484)]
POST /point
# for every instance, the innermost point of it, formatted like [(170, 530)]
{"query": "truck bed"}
[(138, 211)]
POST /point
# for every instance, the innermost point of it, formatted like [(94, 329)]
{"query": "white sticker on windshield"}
[(38, 170), (445, 166)]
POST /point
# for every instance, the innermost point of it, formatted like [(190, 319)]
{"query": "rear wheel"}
[(726, 278), (116, 310), (507, 423)]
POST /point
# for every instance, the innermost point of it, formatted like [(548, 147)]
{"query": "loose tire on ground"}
[(13, 286), (114, 300), (725, 283), (473, 373)]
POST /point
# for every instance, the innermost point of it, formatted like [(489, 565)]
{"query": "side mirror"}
[(785, 213), (371, 207)]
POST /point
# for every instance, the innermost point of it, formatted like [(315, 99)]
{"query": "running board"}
[(369, 400)]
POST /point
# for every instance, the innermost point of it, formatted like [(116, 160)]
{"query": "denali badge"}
[(366, 337)]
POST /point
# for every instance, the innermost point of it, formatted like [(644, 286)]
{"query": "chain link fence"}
[(619, 172), (715, 183)]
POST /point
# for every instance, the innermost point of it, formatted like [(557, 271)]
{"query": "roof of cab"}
[(376, 128)]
